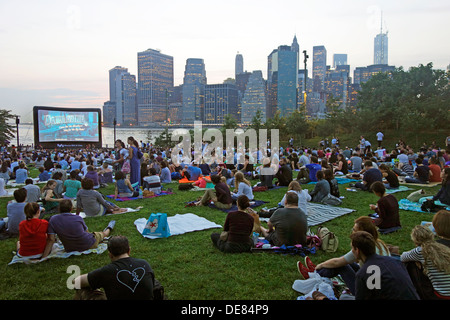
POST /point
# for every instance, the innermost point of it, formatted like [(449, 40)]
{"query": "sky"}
[(58, 53)]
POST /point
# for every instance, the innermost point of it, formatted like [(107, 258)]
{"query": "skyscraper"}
[(238, 64), (282, 76), (220, 100), (122, 97), (155, 78), (319, 67), (194, 82), (254, 98), (380, 55), (339, 59)]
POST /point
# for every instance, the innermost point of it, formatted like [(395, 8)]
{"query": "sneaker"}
[(111, 225), (309, 264), (303, 270)]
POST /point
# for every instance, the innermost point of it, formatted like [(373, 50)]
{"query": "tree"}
[(297, 126), (8, 131)]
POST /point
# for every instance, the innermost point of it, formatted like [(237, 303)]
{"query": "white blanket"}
[(180, 223)]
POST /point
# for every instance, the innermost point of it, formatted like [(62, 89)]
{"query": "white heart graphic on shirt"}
[(130, 279)]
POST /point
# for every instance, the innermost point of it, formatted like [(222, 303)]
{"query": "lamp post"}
[(306, 74), (114, 124), (17, 131)]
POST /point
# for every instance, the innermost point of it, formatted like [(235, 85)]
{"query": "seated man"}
[(370, 175), (284, 174), (287, 225), (72, 231), (125, 278), (422, 173), (380, 277), (220, 195), (312, 169)]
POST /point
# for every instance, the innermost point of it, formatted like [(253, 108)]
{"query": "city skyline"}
[(59, 53)]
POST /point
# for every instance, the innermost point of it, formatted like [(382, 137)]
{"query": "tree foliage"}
[(8, 131)]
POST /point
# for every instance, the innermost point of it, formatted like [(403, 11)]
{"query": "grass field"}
[(188, 265)]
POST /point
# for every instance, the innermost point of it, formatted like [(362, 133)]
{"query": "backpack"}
[(429, 206), (331, 200), (329, 241)]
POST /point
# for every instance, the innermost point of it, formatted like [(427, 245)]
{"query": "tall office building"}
[(220, 100), (122, 102), (254, 98), (155, 78), (339, 59), (363, 74), (282, 73), (380, 55), (319, 67), (194, 82), (238, 64), (337, 84)]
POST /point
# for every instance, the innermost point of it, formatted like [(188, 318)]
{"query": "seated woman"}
[(220, 195), (347, 265), (49, 198), (266, 174), (105, 174), (32, 233), (71, 186), (386, 208), (303, 196), (238, 229), (243, 187), (342, 165), (21, 173), (152, 181), (334, 186), (123, 187), (92, 174), (321, 189), (390, 176), (443, 195), (434, 259), (91, 201)]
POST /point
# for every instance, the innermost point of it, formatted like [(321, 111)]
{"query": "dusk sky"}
[(58, 53)]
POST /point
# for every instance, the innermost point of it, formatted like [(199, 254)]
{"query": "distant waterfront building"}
[(339, 59), (282, 73), (319, 67), (238, 64), (380, 55), (193, 91), (220, 100), (155, 78), (122, 104), (254, 98)]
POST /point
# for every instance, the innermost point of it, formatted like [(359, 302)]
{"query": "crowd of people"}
[(40, 216)]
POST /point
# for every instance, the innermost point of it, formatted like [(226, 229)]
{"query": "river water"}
[(26, 135)]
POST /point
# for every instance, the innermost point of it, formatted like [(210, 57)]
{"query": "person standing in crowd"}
[(135, 163)]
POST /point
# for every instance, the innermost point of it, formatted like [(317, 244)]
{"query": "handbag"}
[(157, 226), (126, 168)]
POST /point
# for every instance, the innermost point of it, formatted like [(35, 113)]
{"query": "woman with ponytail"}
[(429, 258)]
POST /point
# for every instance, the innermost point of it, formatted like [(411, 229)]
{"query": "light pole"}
[(306, 74), (114, 124), (17, 131)]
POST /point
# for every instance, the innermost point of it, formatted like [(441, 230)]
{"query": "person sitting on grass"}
[(287, 225), (386, 208), (21, 173), (393, 281), (72, 231), (433, 259), (334, 186), (303, 196), (92, 202), (15, 215), (49, 197), (391, 178), (321, 188), (421, 174), (346, 266), (125, 278), (44, 175), (370, 175), (123, 188), (443, 194), (71, 186), (238, 229), (32, 232), (243, 187), (220, 195)]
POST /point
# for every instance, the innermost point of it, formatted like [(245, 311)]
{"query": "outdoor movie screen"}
[(64, 125)]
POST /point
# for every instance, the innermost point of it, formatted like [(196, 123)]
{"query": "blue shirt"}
[(166, 176), (21, 175), (194, 172), (313, 168), (44, 176)]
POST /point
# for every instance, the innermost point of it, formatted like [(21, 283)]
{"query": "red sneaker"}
[(303, 270), (309, 264)]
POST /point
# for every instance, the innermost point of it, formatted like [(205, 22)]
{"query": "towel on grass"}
[(399, 189), (339, 180), (58, 252), (430, 184), (405, 204), (163, 193), (180, 224), (83, 215)]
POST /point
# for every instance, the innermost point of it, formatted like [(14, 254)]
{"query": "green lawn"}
[(187, 265)]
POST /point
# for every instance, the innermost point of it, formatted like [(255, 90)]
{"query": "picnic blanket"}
[(399, 189), (163, 193), (9, 193), (339, 180), (58, 252), (405, 204), (429, 185), (185, 180), (264, 246), (12, 183), (321, 213), (180, 224), (83, 215)]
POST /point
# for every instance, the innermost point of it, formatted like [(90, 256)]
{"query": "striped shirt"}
[(439, 279)]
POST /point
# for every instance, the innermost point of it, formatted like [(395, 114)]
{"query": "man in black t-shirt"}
[(125, 278)]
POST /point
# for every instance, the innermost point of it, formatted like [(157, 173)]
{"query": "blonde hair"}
[(295, 186), (365, 223), (435, 253), (239, 177)]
